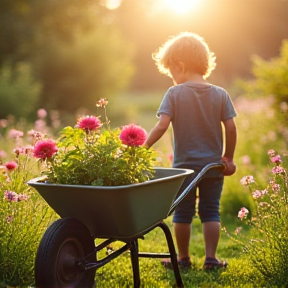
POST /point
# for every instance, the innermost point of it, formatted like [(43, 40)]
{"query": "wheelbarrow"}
[(67, 254)]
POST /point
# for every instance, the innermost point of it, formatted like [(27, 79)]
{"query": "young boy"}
[(197, 110)]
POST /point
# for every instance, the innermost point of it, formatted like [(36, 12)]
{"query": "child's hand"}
[(230, 167)]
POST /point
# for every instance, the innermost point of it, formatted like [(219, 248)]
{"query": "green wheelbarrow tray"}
[(118, 211), (115, 211)]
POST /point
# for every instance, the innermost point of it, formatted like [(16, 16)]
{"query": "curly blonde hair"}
[(189, 48)]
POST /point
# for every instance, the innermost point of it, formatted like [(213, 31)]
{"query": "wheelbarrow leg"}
[(135, 263), (173, 255)]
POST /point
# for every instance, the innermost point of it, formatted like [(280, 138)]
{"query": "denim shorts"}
[(207, 201)]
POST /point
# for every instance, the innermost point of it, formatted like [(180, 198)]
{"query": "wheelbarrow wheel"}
[(58, 260)]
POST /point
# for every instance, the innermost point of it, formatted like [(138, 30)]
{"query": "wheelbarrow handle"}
[(193, 183)]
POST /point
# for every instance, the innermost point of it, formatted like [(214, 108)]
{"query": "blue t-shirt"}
[(196, 112)]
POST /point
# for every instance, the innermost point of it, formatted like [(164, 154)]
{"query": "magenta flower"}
[(133, 135), (10, 196), (271, 152), (11, 165), (278, 170), (88, 123), (276, 159), (243, 213), (44, 149)]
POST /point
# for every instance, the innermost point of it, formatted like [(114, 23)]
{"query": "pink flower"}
[(278, 170), (10, 196), (41, 113), (247, 180), (44, 149), (276, 188), (88, 123), (13, 133), (276, 159), (246, 160), (257, 194), (22, 197), (102, 102), (3, 154), (11, 165), (243, 213), (133, 135), (237, 230), (271, 152)]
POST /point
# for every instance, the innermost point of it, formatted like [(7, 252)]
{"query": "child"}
[(196, 110)]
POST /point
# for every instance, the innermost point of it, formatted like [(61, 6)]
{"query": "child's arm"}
[(158, 131), (231, 139)]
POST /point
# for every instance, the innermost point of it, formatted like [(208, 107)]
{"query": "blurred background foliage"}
[(67, 54)]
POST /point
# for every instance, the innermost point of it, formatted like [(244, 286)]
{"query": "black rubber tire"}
[(66, 240)]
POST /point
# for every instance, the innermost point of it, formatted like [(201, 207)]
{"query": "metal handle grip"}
[(193, 183)]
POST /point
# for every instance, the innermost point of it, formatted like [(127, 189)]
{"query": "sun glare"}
[(112, 4), (181, 6)]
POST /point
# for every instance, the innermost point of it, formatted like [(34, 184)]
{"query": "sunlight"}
[(181, 6), (112, 4)]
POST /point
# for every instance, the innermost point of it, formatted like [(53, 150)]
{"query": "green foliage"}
[(271, 78), (19, 91), (23, 220), (266, 246), (95, 62), (99, 158), (77, 54)]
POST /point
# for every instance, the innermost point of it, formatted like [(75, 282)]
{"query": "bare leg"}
[(182, 235), (211, 231)]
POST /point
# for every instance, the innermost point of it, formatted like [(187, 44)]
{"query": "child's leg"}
[(182, 235), (211, 232)]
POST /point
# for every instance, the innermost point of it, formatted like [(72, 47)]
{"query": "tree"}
[(76, 52)]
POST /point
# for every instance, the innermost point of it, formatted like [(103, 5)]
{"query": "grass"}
[(119, 271), (258, 132)]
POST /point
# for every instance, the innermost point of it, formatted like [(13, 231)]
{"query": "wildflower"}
[(10, 196), (243, 213), (9, 219), (276, 188), (102, 102), (89, 123), (271, 152), (276, 159), (246, 160), (11, 165), (278, 170), (22, 197), (237, 230), (40, 125), (3, 154), (44, 149), (41, 113), (13, 133), (247, 180), (256, 194), (3, 123), (133, 135)]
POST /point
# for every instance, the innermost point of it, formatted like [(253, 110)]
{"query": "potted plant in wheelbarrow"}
[(103, 184)]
